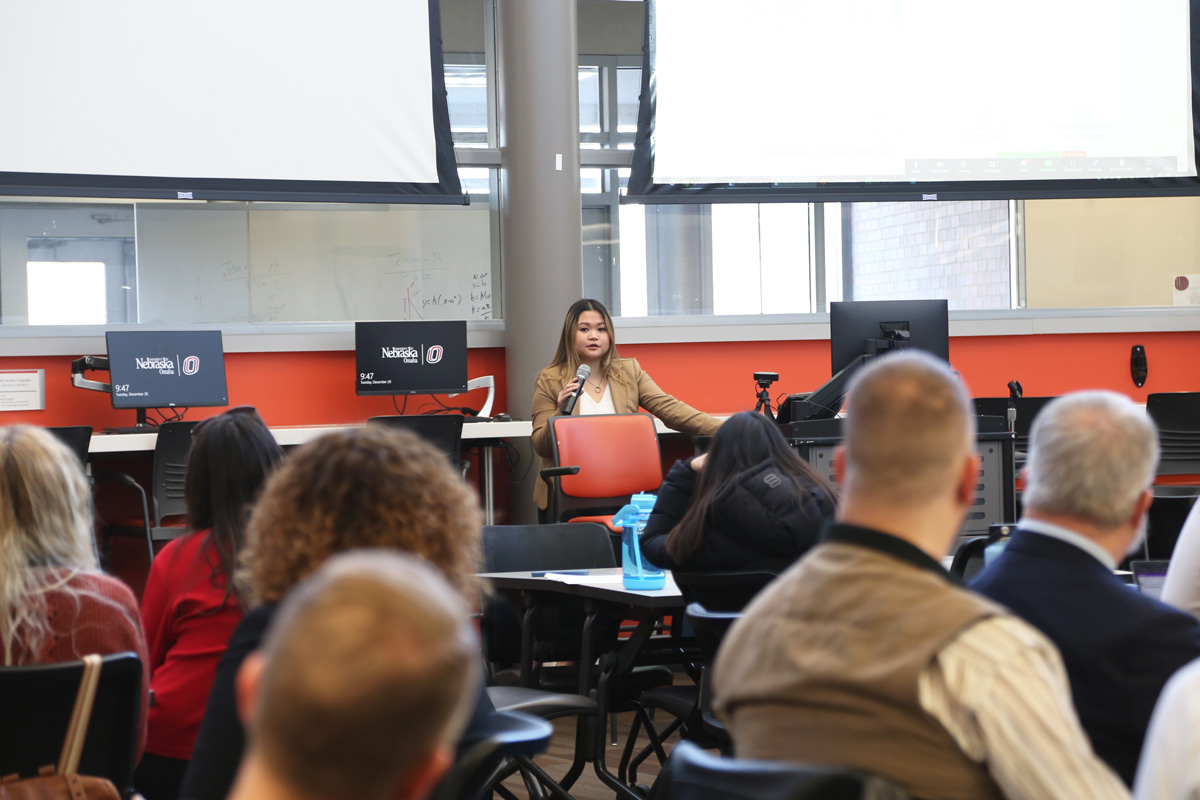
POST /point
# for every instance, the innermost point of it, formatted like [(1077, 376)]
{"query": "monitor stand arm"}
[(486, 382), (81, 365)]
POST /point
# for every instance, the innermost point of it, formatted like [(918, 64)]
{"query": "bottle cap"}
[(644, 501), (627, 513)]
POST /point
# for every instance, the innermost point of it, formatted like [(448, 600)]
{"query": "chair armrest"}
[(557, 472), (119, 477)]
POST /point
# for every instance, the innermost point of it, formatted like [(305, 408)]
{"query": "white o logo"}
[(434, 354), (191, 365)]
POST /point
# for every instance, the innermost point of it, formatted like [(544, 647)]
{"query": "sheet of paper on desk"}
[(585, 580)]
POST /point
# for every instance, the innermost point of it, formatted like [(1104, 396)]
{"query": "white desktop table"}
[(486, 434), (300, 434)]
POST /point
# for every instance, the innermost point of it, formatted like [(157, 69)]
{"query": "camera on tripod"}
[(764, 381)]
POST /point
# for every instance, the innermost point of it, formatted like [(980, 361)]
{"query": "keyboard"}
[(131, 429)]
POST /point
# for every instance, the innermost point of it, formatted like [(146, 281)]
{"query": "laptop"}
[(1149, 576)]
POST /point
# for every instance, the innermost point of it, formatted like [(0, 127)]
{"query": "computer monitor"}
[(871, 327), (411, 357), (862, 329), (166, 369)]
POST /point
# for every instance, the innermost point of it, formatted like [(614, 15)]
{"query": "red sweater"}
[(93, 626), (187, 626)]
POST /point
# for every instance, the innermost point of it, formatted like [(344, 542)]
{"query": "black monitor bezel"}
[(460, 334), (854, 338), (150, 335), (852, 322)]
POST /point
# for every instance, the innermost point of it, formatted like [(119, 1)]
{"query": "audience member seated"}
[(1167, 770), (1182, 587), (191, 606), (864, 654), (372, 487), (362, 687), (55, 603), (749, 503), (1092, 458)]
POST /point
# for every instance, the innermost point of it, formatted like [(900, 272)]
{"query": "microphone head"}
[(583, 372)]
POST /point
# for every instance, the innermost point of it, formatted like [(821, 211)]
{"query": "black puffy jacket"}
[(756, 523)]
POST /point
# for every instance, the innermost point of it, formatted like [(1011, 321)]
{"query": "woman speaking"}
[(614, 385)]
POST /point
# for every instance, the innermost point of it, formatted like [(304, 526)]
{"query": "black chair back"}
[(968, 559), (171, 450), (721, 591), (557, 629), (76, 437), (443, 431), (1175, 412), (710, 627), (573, 545), (38, 701), (510, 734), (1177, 415), (692, 774)]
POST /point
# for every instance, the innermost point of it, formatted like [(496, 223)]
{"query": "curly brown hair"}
[(367, 487)]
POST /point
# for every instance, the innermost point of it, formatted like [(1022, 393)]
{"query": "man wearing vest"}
[(1092, 457), (864, 654)]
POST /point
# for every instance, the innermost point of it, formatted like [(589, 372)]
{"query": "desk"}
[(603, 589), (485, 434), (300, 434), (601, 595)]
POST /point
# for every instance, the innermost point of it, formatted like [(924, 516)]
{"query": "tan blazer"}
[(631, 388)]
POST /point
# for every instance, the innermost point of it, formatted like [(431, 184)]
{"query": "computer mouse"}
[(502, 417)]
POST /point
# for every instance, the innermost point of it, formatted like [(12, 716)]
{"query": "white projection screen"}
[(229, 99), (911, 99)]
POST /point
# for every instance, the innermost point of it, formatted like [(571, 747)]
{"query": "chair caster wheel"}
[(642, 789)]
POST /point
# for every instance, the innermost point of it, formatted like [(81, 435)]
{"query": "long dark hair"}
[(232, 454), (565, 358), (743, 441)]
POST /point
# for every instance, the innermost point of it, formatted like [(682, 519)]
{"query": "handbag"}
[(61, 782)]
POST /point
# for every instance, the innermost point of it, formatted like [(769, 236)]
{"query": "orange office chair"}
[(599, 462)]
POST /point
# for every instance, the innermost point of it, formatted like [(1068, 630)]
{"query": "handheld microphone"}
[(581, 375)]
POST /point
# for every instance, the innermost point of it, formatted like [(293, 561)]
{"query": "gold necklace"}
[(598, 388)]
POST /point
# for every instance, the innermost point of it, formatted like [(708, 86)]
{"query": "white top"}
[(1070, 537), (1168, 770), (1182, 587), (602, 406)]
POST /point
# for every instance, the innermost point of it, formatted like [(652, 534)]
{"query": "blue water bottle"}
[(637, 573)]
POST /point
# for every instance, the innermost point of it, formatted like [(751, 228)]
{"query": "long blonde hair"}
[(45, 533)]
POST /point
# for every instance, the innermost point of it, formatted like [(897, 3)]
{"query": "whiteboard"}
[(304, 264)]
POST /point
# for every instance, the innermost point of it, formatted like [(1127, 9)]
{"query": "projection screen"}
[(912, 99), (225, 100)]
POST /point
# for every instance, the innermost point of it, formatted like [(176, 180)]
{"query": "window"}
[(467, 100), (776, 258), (67, 293)]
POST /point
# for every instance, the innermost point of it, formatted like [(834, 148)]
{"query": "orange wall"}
[(302, 388), (718, 377), (318, 387)]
